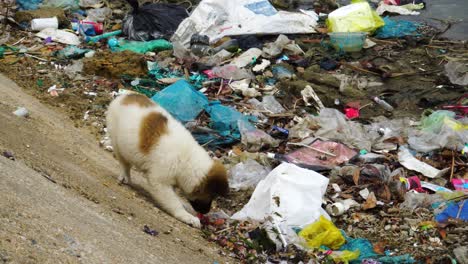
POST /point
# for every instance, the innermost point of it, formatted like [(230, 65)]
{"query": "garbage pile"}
[(345, 132)]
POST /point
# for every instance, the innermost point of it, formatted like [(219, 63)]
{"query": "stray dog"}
[(146, 136)]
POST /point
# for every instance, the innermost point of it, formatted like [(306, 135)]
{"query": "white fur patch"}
[(176, 160)]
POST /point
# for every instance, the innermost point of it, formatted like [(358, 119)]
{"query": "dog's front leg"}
[(168, 200)]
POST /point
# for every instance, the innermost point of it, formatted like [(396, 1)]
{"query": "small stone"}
[(268, 74), (387, 227), (21, 112), (404, 227), (9, 155)]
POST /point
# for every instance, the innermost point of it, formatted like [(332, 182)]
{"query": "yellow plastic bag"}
[(322, 232), (356, 17)]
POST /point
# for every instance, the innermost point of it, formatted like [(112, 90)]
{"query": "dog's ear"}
[(217, 180)]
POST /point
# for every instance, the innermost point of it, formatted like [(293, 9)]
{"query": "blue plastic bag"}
[(182, 101), (28, 4), (224, 119), (454, 210), (397, 29)]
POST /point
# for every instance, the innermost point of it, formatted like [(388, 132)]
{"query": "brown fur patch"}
[(214, 184), (137, 99), (152, 127)]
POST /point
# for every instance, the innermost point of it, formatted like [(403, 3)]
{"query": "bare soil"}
[(60, 201)]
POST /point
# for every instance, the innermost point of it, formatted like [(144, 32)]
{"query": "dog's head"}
[(214, 184)]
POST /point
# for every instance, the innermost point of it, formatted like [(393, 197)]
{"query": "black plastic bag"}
[(153, 21)]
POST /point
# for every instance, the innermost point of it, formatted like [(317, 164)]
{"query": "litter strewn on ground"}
[(345, 132)]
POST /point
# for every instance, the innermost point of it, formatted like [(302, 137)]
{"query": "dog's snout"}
[(201, 206)]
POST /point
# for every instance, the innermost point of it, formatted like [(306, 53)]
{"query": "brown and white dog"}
[(147, 137)]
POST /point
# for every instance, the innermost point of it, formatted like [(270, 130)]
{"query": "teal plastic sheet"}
[(28, 4), (363, 245), (182, 101), (224, 119), (185, 103), (397, 29), (224, 125), (403, 259), (160, 73), (367, 253)]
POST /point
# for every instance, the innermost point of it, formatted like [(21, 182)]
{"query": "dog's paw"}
[(123, 179), (191, 220)]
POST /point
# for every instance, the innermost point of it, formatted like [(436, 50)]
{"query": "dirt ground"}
[(61, 203)]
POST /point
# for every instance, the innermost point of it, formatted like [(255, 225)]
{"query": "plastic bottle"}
[(201, 50), (39, 24), (199, 39), (279, 132), (89, 28), (341, 207), (200, 45), (231, 45), (383, 104)]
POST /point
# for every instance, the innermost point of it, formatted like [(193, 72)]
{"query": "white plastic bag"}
[(247, 57), (247, 174), (290, 196), (99, 14), (334, 126), (282, 43), (254, 139), (243, 86), (220, 18), (411, 163), (269, 103), (457, 72), (382, 8), (59, 35), (91, 3)]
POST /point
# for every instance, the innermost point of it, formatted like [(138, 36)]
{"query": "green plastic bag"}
[(144, 46), (356, 17), (322, 233), (433, 123)]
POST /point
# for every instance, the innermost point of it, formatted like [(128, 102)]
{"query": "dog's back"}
[(137, 125)]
